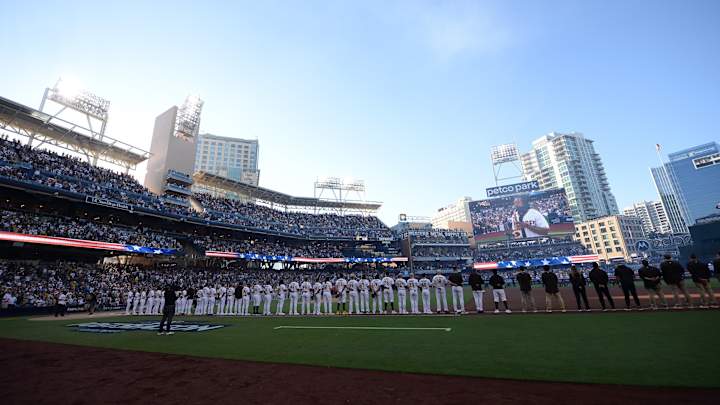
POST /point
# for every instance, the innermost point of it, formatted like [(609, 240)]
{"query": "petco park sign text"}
[(500, 191)]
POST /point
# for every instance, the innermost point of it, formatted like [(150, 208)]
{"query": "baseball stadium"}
[(164, 272)]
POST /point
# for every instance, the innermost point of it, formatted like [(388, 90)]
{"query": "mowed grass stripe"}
[(657, 349), (360, 328)]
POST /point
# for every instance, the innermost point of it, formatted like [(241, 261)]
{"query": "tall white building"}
[(233, 158), (455, 212), (569, 161), (652, 214)]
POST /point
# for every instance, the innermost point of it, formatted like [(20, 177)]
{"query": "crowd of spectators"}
[(442, 251), (35, 224), (64, 172), (324, 249), (531, 249)]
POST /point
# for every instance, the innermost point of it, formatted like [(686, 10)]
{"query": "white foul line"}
[(358, 328)]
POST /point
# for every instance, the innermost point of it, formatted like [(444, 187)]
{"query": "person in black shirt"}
[(91, 299), (716, 266), (498, 285), (168, 310), (477, 285), (579, 286), (550, 281), (626, 277), (600, 279), (458, 295), (188, 310), (651, 279), (673, 274), (701, 277), (525, 282)]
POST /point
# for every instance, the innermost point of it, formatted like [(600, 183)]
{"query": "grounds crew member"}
[(498, 284), (477, 285), (673, 274), (701, 277), (599, 278), (579, 286), (626, 277), (550, 281), (651, 279), (525, 282)]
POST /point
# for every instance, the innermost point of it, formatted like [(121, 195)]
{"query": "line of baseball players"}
[(354, 295)]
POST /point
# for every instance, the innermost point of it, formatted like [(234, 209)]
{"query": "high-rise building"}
[(569, 161), (233, 158), (688, 184), (612, 238), (453, 213), (652, 214)]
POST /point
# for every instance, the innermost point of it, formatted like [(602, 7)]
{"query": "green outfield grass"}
[(659, 348)]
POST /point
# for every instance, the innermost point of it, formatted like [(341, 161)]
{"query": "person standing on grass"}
[(651, 279), (388, 296), (673, 274), (579, 286), (527, 301), (425, 285), (439, 282), (497, 282), (626, 277), (716, 266), (91, 300), (701, 277), (458, 296), (168, 310), (599, 278), (477, 284), (550, 281)]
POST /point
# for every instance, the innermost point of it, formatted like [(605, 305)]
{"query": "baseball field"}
[(535, 357)]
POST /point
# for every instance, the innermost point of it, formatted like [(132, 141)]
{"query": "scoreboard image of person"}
[(536, 214)]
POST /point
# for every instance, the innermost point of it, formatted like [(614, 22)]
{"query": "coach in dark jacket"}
[(626, 277), (477, 285), (716, 266), (579, 286), (651, 277), (168, 310), (673, 274), (525, 282), (600, 279), (701, 277), (550, 281)]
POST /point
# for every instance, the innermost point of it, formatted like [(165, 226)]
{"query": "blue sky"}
[(407, 95)]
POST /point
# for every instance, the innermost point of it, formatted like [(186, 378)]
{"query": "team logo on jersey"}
[(153, 326)]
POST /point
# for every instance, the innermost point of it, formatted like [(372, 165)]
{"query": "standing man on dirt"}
[(525, 282), (600, 279), (497, 282), (477, 285), (168, 310), (673, 274), (579, 286), (626, 277), (701, 277), (550, 281), (458, 297), (439, 281), (653, 284)]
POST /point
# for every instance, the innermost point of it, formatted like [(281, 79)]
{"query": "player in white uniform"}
[(136, 302), (294, 288), (267, 300), (256, 298), (425, 291), (341, 293), (128, 306), (189, 302), (401, 286), (317, 292), (200, 298), (327, 296), (412, 283), (439, 282), (388, 296), (180, 306), (354, 295), (245, 305), (376, 293), (160, 301), (211, 302), (150, 303), (306, 287), (281, 293), (143, 299), (223, 300), (364, 295), (230, 302)]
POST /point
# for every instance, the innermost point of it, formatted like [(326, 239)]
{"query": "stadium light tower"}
[(340, 189), (187, 123), (506, 162), (69, 94)]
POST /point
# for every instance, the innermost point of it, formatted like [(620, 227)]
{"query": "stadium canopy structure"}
[(51, 129), (276, 199)]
